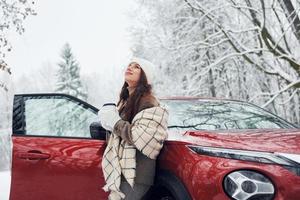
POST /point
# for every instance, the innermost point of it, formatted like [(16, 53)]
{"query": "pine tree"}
[(69, 81)]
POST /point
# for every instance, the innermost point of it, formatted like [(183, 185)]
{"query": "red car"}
[(216, 150)]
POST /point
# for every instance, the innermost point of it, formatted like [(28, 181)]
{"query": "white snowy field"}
[(5, 179)]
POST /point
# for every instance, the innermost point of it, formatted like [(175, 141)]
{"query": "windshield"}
[(219, 115)]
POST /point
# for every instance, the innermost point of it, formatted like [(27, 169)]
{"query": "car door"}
[(54, 156)]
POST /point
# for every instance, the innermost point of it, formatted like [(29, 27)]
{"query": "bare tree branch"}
[(281, 91)]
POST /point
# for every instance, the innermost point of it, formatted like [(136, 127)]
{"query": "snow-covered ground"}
[(5, 179)]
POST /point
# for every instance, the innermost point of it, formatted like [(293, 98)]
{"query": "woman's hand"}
[(109, 116)]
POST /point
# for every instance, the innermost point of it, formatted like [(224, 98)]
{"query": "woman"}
[(138, 129)]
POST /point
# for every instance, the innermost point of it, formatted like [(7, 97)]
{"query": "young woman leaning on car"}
[(138, 129)]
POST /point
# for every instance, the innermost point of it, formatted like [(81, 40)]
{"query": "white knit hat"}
[(147, 67)]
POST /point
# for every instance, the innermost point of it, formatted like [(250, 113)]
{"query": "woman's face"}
[(132, 74)]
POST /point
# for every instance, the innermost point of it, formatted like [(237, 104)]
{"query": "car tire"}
[(167, 187)]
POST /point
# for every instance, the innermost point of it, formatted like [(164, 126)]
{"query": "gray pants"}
[(135, 193)]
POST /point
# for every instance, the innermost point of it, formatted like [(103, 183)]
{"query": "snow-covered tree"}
[(45, 75), (6, 103), (12, 14), (68, 82), (239, 49), (68, 75)]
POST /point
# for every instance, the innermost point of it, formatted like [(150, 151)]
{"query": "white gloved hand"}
[(109, 116)]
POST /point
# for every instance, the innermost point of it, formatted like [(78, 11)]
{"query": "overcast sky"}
[(97, 31)]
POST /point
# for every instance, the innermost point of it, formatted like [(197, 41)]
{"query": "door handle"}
[(33, 155)]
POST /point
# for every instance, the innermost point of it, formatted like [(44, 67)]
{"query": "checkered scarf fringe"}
[(149, 131)]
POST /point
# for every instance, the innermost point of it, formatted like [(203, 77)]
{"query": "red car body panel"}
[(78, 161), (268, 140), (72, 170), (201, 173)]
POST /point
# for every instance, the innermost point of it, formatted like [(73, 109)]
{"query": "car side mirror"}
[(97, 131)]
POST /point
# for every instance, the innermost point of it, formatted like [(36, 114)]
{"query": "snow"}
[(5, 178)]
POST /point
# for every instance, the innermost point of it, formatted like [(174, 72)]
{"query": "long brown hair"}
[(133, 101)]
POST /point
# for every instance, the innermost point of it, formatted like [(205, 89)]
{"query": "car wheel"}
[(168, 187)]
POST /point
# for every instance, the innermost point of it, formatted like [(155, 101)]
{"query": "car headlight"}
[(288, 161), (248, 185)]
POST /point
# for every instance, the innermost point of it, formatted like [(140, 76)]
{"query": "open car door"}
[(54, 155)]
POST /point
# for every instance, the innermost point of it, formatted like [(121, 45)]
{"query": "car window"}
[(57, 117), (219, 115)]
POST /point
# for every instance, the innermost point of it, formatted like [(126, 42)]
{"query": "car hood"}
[(267, 140)]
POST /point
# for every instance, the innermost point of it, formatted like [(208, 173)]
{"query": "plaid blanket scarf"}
[(149, 131)]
